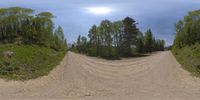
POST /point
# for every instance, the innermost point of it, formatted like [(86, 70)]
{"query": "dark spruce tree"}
[(148, 41), (129, 36)]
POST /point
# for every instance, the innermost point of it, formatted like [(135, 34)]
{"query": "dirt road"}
[(155, 77)]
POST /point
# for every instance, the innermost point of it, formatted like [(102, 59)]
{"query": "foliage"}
[(148, 41), (112, 40), (59, 41), (189, 57), (187, 30), (186, 46), (29, 61), (23, 26), (31, 37), (130, 35)]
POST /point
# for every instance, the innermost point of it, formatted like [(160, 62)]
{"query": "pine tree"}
[(130, 35), (148, 41)]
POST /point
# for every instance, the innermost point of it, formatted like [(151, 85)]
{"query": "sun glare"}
[(99, 10)]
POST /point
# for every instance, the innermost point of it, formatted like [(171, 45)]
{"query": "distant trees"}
[(188, 30), (59, 41), (148, 41), (116, 39), (81, 44), (151, 44), (140, 47), (159, 45), (23, 26)]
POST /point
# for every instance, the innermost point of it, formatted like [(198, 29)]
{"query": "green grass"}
[(189, 58), (29, 61)]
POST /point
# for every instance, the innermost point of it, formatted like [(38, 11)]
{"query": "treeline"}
[(117, 39), (23, 26), (188, 30), (186, 47)]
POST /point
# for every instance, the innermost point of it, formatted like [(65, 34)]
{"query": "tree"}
[(161, 45), (12, 20), (140, 43), (78, 46), (187, 30), (60, 33), (106, 32), (45, 27), (130, 35), (148, 41), (117, 39), (118, 29), (84, 44), (94, 36), (60, 42), (22, 26)]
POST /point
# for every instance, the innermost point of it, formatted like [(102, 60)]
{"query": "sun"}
[(99, 10)]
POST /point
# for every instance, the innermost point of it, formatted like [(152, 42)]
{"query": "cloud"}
[(159, 15)]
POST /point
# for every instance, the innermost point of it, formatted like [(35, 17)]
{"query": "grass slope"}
[(28, 62), (189, 57)]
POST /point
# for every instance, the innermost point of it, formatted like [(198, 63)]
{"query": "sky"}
[(77, 16)]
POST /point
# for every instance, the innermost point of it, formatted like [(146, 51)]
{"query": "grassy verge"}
[(28, 61), (189, 57)]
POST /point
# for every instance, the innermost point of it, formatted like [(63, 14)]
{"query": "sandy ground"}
[(155, 77)]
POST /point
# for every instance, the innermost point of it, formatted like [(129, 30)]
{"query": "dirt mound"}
[(156, 77)]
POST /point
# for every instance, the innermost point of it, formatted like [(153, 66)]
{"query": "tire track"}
[(79, 77)]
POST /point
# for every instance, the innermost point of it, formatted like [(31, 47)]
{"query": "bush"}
[(29, 61), (189, 57)]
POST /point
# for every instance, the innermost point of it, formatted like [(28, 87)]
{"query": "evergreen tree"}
[(130, 35), (140, 43), (79, 44), (148, 41)]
